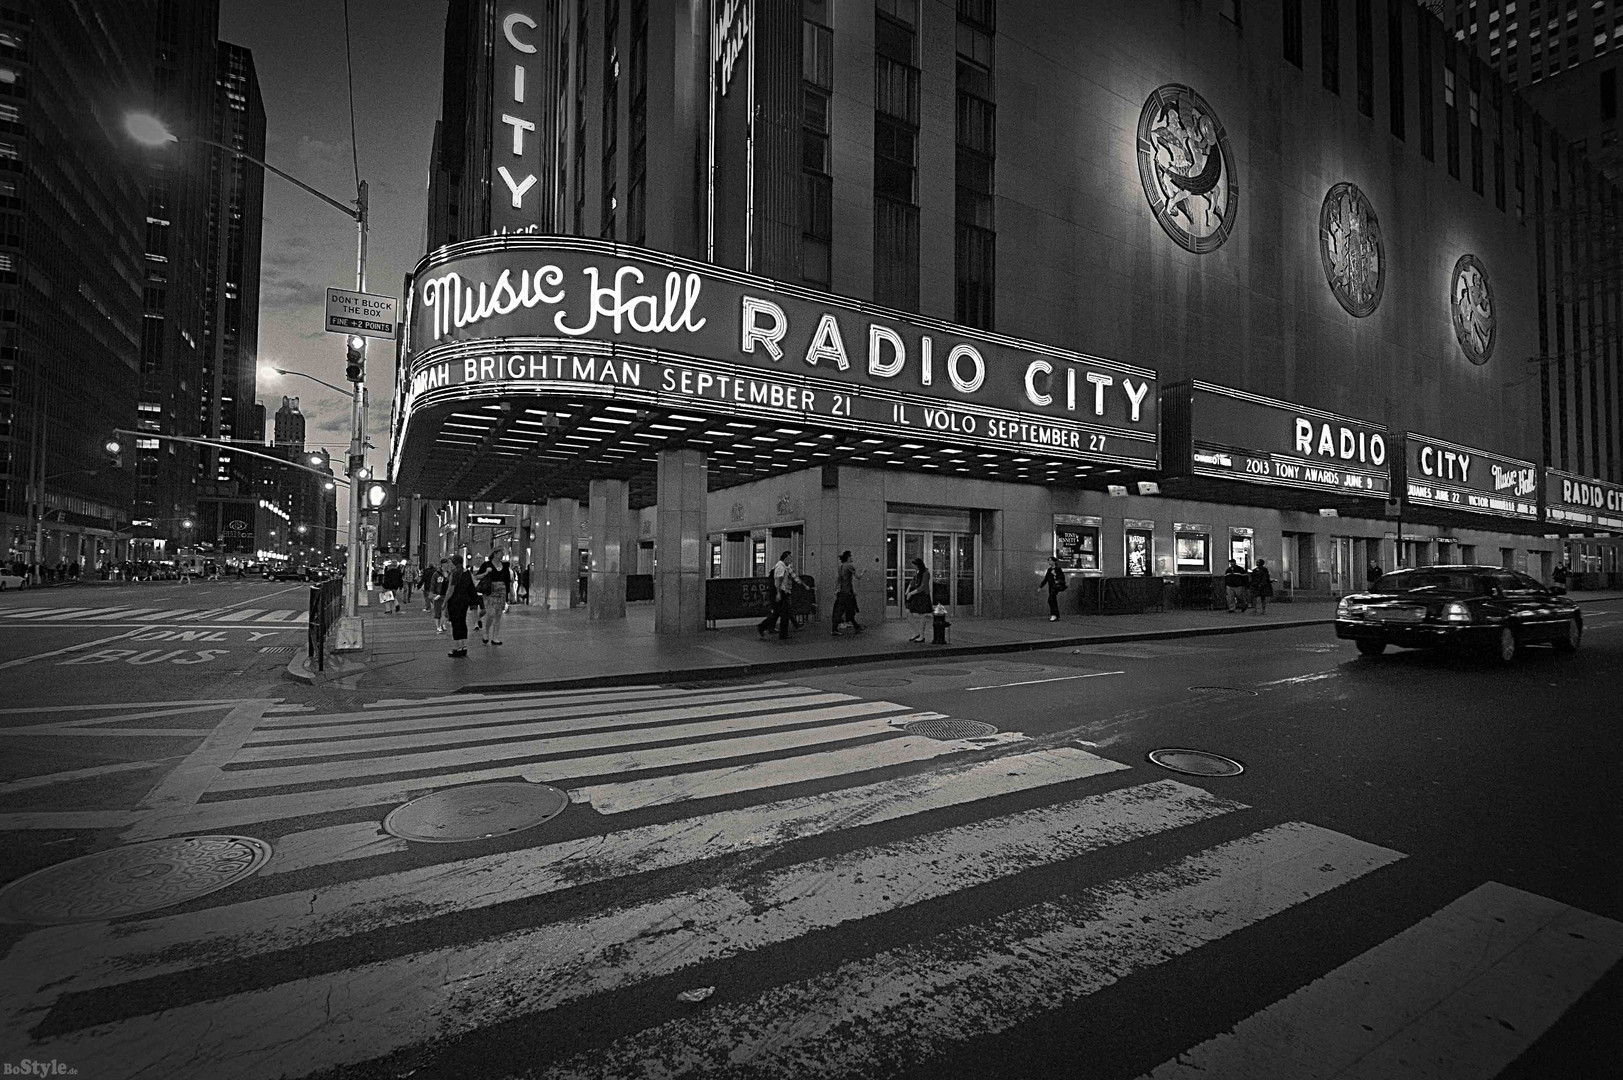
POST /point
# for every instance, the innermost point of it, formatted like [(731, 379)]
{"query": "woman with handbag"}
[(918, 600), (1054, 582)]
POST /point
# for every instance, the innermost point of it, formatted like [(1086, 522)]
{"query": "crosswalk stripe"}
[(263, 808), (65, 613), (243, 615), (796, 711), (591, 714), (51, 612), (377, 1008), (908, 1004), (100, 955), (730, 780), (172, 615), (282, 615), (334, 843), (120, 613), (1473, 985)]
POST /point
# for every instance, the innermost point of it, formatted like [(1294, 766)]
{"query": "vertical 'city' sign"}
[(515, 144)]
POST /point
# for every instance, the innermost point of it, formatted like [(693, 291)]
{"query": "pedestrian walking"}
[(1262, 585), (415, 577), (1559, 575), (1054, 582), (524, 585), (497, 586), (784, 580), (394, 580), (460, 595), (436, 592), (917, 599), (845, 594), (1372, 572), (1237, 584)]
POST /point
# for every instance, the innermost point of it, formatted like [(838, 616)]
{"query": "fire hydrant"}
[(941, 625)]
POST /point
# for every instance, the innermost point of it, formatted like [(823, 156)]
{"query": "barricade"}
[(326, 607)]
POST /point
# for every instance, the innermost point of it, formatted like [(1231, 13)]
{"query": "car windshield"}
[(1430, 581)]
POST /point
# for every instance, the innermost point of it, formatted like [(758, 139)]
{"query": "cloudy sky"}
[(298, 48)]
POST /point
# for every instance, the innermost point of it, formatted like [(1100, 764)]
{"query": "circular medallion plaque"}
[(1187, 168), (1351, 249), (1470, 299)]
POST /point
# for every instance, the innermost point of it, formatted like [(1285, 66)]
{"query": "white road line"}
[(23, 613), (283, 615), (709, 783), (26, 783), (186, 706), (182, 787), (613, 740), (401, 735), (58, 652), (240, 616), (1034, 682), (909, 1004), (374, 1009), (335, 843), (101, 955), (1473, 985), (264, 808), (1315, 676), (120, 613), (172, 615), (592, 714)]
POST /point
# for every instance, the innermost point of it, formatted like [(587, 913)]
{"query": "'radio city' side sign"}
[(1458, 477), (1582, 501), (1239, 436), (525, 314)]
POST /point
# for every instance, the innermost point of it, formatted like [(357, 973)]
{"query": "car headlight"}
[(1456, 612), (1346, 609)]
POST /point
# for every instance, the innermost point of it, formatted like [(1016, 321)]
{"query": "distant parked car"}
[(1486, 608), (8, 580)]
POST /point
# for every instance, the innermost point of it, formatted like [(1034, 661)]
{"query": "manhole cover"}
[(949, 729), (878, 680), (281, 650), (944, 669), (1196, 762), (475, 812), (1222, 691), (1020, 668), (131, 880)]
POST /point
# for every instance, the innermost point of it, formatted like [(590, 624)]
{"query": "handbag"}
[(918, 603)]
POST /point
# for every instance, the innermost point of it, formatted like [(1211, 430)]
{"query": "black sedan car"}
[(1486, 608)]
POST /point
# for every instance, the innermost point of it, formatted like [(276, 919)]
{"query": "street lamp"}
[(150, 131)]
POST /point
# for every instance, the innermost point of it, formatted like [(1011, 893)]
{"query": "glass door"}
[(950, 557), (1340, 565)]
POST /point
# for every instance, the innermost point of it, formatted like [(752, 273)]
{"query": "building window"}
[(896, 136), (1423, 71), (1608, 95), (975, 241), (1475, 118), (1451, 111), (1330, 43), (1291, 18), (816, 168), (1366, 56), (1394, 66)]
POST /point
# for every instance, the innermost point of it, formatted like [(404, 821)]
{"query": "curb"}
[(718, 672)]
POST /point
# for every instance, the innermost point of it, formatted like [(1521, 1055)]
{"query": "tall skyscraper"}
[(1527, 41), (177, 267), (71, 270), (231, 286)]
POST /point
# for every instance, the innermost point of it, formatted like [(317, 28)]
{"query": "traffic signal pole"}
[(357, 431)]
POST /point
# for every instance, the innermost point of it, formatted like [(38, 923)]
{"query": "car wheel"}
[(1372, 648), (1571, 637), (1505, 646)]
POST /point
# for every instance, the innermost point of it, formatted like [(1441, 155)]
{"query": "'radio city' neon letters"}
[(1344, 443)]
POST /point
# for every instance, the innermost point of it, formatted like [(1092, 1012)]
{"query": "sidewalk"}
[(564, 649)]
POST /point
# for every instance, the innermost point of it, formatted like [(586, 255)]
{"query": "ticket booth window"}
[(1193, 552), (758, 556), (715, 558), (1242, 547), (1138, 550)]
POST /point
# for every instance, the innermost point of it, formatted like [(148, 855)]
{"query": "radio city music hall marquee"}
[(547, 316)]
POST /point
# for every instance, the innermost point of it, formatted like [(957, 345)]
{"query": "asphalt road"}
[(1415, 875)]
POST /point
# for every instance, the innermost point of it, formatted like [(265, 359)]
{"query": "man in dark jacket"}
[(1237, 584), (394, 579), (1262, 585)]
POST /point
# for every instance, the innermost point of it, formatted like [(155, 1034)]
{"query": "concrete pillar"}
[(679, 579), (608, 511), (558, 569)]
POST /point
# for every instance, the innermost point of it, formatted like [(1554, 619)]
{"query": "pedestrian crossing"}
[(869, 902), (138, 616)]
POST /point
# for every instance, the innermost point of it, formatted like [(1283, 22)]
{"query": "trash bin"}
[(941, 625)]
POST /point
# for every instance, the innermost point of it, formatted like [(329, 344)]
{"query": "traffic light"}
[(378, 495), (115, 453), (355, 359)]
